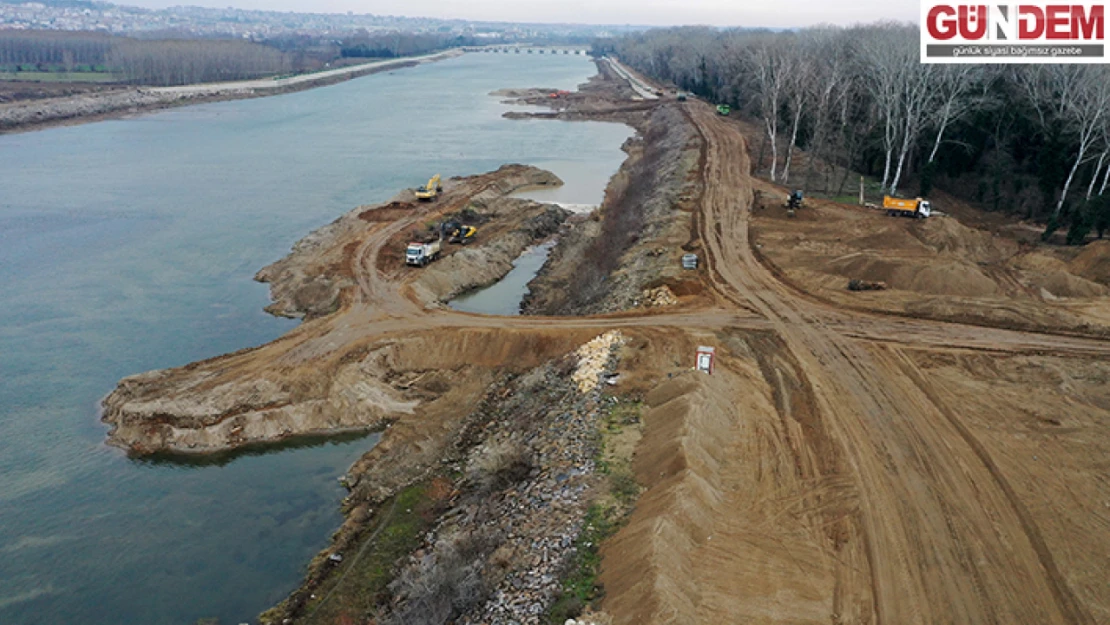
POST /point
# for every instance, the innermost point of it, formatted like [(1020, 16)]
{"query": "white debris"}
[(592, 358), (661, 296)]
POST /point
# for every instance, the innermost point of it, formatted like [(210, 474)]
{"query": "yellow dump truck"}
[(897, 207)]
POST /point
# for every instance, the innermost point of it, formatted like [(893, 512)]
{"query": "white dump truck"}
[(420, 254)]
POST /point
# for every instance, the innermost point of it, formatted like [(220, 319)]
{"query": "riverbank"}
[(109, 104), (332, 373), (377, 350)]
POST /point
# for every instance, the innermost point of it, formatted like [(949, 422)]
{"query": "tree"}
[(768, 64), (1076, 95), (954, 85)]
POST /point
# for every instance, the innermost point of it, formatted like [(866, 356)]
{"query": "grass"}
[(580, 587), (361, 582), (100, 77), (619, 433)]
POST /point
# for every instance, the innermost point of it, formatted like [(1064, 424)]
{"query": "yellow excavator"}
[(455, 232), (429, 191)]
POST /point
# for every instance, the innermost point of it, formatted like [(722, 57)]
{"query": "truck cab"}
[(896, 207), (420, 254)]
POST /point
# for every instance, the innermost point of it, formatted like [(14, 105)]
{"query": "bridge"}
[(527, 49)]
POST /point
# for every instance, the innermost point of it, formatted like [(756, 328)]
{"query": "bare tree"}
[(1078, 96), (826, 86), (768, 66), (954, 87), (798, 73), (881, 67)]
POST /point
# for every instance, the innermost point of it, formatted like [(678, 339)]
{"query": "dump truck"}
[(724, 109), (917, 207), (429, 191), (420, 254)]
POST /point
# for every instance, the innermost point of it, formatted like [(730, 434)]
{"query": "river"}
[(129, 245)]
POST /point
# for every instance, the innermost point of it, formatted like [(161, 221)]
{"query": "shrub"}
[(499, 464)]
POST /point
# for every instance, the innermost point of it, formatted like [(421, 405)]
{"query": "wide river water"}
[(130, 245)]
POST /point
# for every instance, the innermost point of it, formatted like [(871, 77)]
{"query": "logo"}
[(1031, 32)]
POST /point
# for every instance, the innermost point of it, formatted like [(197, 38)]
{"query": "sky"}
[(769, 13)]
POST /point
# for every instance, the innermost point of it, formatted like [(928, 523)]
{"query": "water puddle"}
[(505, 296)]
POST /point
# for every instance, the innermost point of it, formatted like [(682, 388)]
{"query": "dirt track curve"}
[(933, 533)]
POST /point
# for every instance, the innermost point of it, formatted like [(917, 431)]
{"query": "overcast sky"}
[(771, 13)]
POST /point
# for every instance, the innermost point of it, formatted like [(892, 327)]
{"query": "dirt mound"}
[(1064, 284), (1093, 263), (949, 236), (929, 276)]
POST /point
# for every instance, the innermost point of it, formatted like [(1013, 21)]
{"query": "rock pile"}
[(660, 296), (543, 425), (592, 358)]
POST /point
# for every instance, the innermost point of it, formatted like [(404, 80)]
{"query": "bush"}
[(1050, 228), (499, 464), (1080, 226), (444, 584)]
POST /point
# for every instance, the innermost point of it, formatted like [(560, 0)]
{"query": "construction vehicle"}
[(681, 97), (866, 285), (420, 254), (916, 207), (457, 233), (429, 191), (724, 109)]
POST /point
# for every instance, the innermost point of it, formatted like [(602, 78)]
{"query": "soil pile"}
[(937, 268), (1093, 263)]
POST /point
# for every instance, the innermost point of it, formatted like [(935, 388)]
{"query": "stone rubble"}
[(537, 519), (592, 358), (659, 296)]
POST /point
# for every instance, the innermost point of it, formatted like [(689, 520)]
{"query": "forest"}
[(1031, 140)]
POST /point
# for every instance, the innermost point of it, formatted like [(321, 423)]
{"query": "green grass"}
[(101, 77), (580, 587), (603, 518), (360, 585)]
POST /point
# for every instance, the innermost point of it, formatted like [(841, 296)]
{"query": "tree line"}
[(183, 61), (141, 61), (1026, 139), (364, 44), (53, 48)]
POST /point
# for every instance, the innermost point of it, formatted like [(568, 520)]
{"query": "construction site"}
[(694, 419)]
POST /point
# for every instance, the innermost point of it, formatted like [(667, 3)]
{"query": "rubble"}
[(659, 296), (592, 358), (530, 522)]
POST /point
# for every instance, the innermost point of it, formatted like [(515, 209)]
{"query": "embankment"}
[(638, 236), (99, 105)]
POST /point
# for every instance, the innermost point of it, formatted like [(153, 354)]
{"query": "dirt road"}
[(863, 496)]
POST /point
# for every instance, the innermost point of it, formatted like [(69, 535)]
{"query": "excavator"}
[(457, 233), (429, 191)]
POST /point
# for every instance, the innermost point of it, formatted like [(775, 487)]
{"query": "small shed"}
[(705, 358)]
